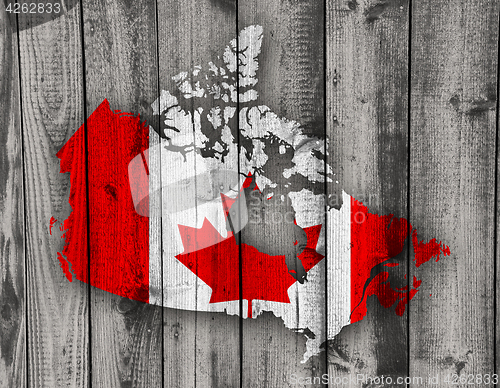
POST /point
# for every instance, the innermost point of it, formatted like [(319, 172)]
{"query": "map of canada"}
[(213, 122)]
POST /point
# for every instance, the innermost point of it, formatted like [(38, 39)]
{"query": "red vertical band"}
[(119, 237)]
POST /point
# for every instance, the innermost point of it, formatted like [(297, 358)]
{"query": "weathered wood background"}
[(405, 90)]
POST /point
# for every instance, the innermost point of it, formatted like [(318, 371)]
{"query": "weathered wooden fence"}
[(406, 91)]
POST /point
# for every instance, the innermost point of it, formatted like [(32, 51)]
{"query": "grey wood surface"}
[(52, 100), (367, 124), (406, 93), (121, 66), (453, 119), (291, 84), (12, 233), (200, 349)]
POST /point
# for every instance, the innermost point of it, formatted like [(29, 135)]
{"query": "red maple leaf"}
[(263, 276)]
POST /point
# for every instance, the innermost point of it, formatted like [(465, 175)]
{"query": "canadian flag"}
[(154, 228)]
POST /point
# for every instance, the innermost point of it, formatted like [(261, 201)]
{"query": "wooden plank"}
[(453, 134), (497, 274), (291, 84), (12, 257), (367, 124), (121, 66), (57, 310), (201, 348)]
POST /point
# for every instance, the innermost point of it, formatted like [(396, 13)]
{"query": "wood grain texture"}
[(291, 83), (452, 130), (453, 135), (51, 85), (497, 274), (201, 348), (12, 241), (367, 124), (291, 71), (121, 66)]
